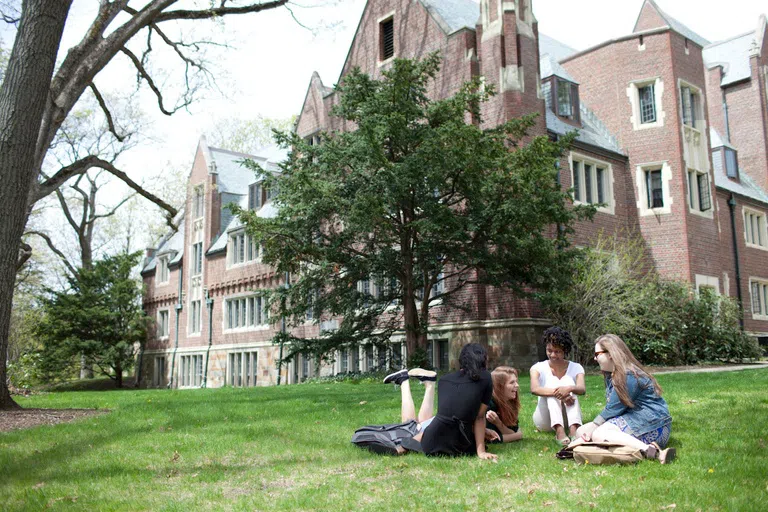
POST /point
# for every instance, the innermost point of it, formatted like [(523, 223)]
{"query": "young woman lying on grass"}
[(557, 382), (459, 428), (635, 414)]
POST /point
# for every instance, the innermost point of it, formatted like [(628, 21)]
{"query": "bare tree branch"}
[(55, 250), (143, 74), (222, 10), (107, 113), (113, 210), (25, 252)]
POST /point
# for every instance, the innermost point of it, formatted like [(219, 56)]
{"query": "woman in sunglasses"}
[(635, 414)]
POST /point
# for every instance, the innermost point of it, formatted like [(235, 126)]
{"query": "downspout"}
[(727, 123), (282, 330), (732, 207), (178, 308), (209, 303)]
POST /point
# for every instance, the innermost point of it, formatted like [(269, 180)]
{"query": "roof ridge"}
[(222, 150), (672, 21), (732, 38)]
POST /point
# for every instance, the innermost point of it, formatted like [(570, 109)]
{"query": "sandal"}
[(564, 441)]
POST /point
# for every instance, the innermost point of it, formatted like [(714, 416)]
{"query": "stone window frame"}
[(188, 366), (761, 285), (762, 227), (642, 189), (633, 93), (248, 244), (390, 16), (158, 376), (702, 280), (248, 380), (694, 194), (160, 334), (163, 274), (249, 314), (610, 209)]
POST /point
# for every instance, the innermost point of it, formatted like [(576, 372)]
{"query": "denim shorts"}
[(659, 435)]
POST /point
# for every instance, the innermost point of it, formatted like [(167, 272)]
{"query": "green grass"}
[(288, 448)]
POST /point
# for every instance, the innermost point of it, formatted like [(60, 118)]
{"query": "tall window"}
[(387, 39), (443, 354), (654, 190), (242, 248), (195, 316), (699, 197), (198, 202), (755, 228), (759, 297), (690, 100), (197, 259), (191, 370), (591, 183), (564, 99), (369, 361), (647, 97), (254, 196), (163, 273), (245, 312), (158, 373), (241, 369), (162, 323), (343, 360)]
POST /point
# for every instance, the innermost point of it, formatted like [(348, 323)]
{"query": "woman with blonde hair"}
[(502, 415), (635, 414)]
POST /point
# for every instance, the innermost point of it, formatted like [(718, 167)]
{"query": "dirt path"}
[(28, 418)]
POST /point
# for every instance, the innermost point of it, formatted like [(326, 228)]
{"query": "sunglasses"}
[(600, 352)]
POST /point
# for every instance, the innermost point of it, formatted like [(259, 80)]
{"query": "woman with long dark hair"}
[(635, 414), (463, 398)]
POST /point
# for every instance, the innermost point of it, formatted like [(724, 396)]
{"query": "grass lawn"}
[(288, 448)]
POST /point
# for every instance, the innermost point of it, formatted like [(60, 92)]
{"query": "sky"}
[(267, 68)]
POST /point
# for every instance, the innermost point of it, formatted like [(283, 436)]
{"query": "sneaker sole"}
[(667, 456), (393, 377), (423, 374)]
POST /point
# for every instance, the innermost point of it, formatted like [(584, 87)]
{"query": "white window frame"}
[(382, 19), (759, 284), (198, 201), (707, 281), (195, 316), (255, 316), (197, 259), (583, 159), (191, 370), (238, 240), (755, 228), (633, 93), (698, 122), (694, 194), (159, 369), (163, 275), (163, 328), (242, 368), (571, 103), (642, 188)]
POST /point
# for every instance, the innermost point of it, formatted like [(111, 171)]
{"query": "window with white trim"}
[(246, 312), (592, 182), (242, 248), (564, 98), (690, 105), (759, 298), (163, 325), (191, 371), (197, 259), (158, 372), (241, 368), (755, 228), (195, 316), (699, 194), (343, 360), (647, 103), (387, 39), (645, 99), (198, 202), (654, 189), (254, 196), (163, 272), (731, 161)]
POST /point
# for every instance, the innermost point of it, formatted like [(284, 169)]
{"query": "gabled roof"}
[(267, 211), (716, 141), (234, 177), (744, 187), (592, 130), (674, 25), (733, 54), (172, 243), (550, 67)]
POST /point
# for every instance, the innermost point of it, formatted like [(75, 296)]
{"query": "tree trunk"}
[(119, 375), (23, 97)]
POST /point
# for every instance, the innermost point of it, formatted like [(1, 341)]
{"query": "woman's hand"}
[(563, 391), (492, 417), (585, 431), (488, 456), (569, 400), (491, 435)]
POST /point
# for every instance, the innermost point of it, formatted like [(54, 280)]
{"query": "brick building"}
[(673, 139)]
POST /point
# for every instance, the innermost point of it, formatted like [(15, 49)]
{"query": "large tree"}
[(379, 225), (35, 101)]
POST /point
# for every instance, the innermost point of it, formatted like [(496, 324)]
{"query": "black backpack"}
[(384, 439)]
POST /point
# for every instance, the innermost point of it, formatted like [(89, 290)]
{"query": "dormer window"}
[(254, 196), (566, 96)]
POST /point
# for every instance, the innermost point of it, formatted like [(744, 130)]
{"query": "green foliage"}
[(662, 321), (98, 317), (381, 224)]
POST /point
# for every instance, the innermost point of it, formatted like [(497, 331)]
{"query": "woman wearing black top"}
[(463, 398)]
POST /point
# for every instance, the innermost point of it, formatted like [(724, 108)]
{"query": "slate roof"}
[(454, 15), (550, 67), (733, 55), (554, 48), (745, 186), (234, 177), (171, 243), (592, 131)]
